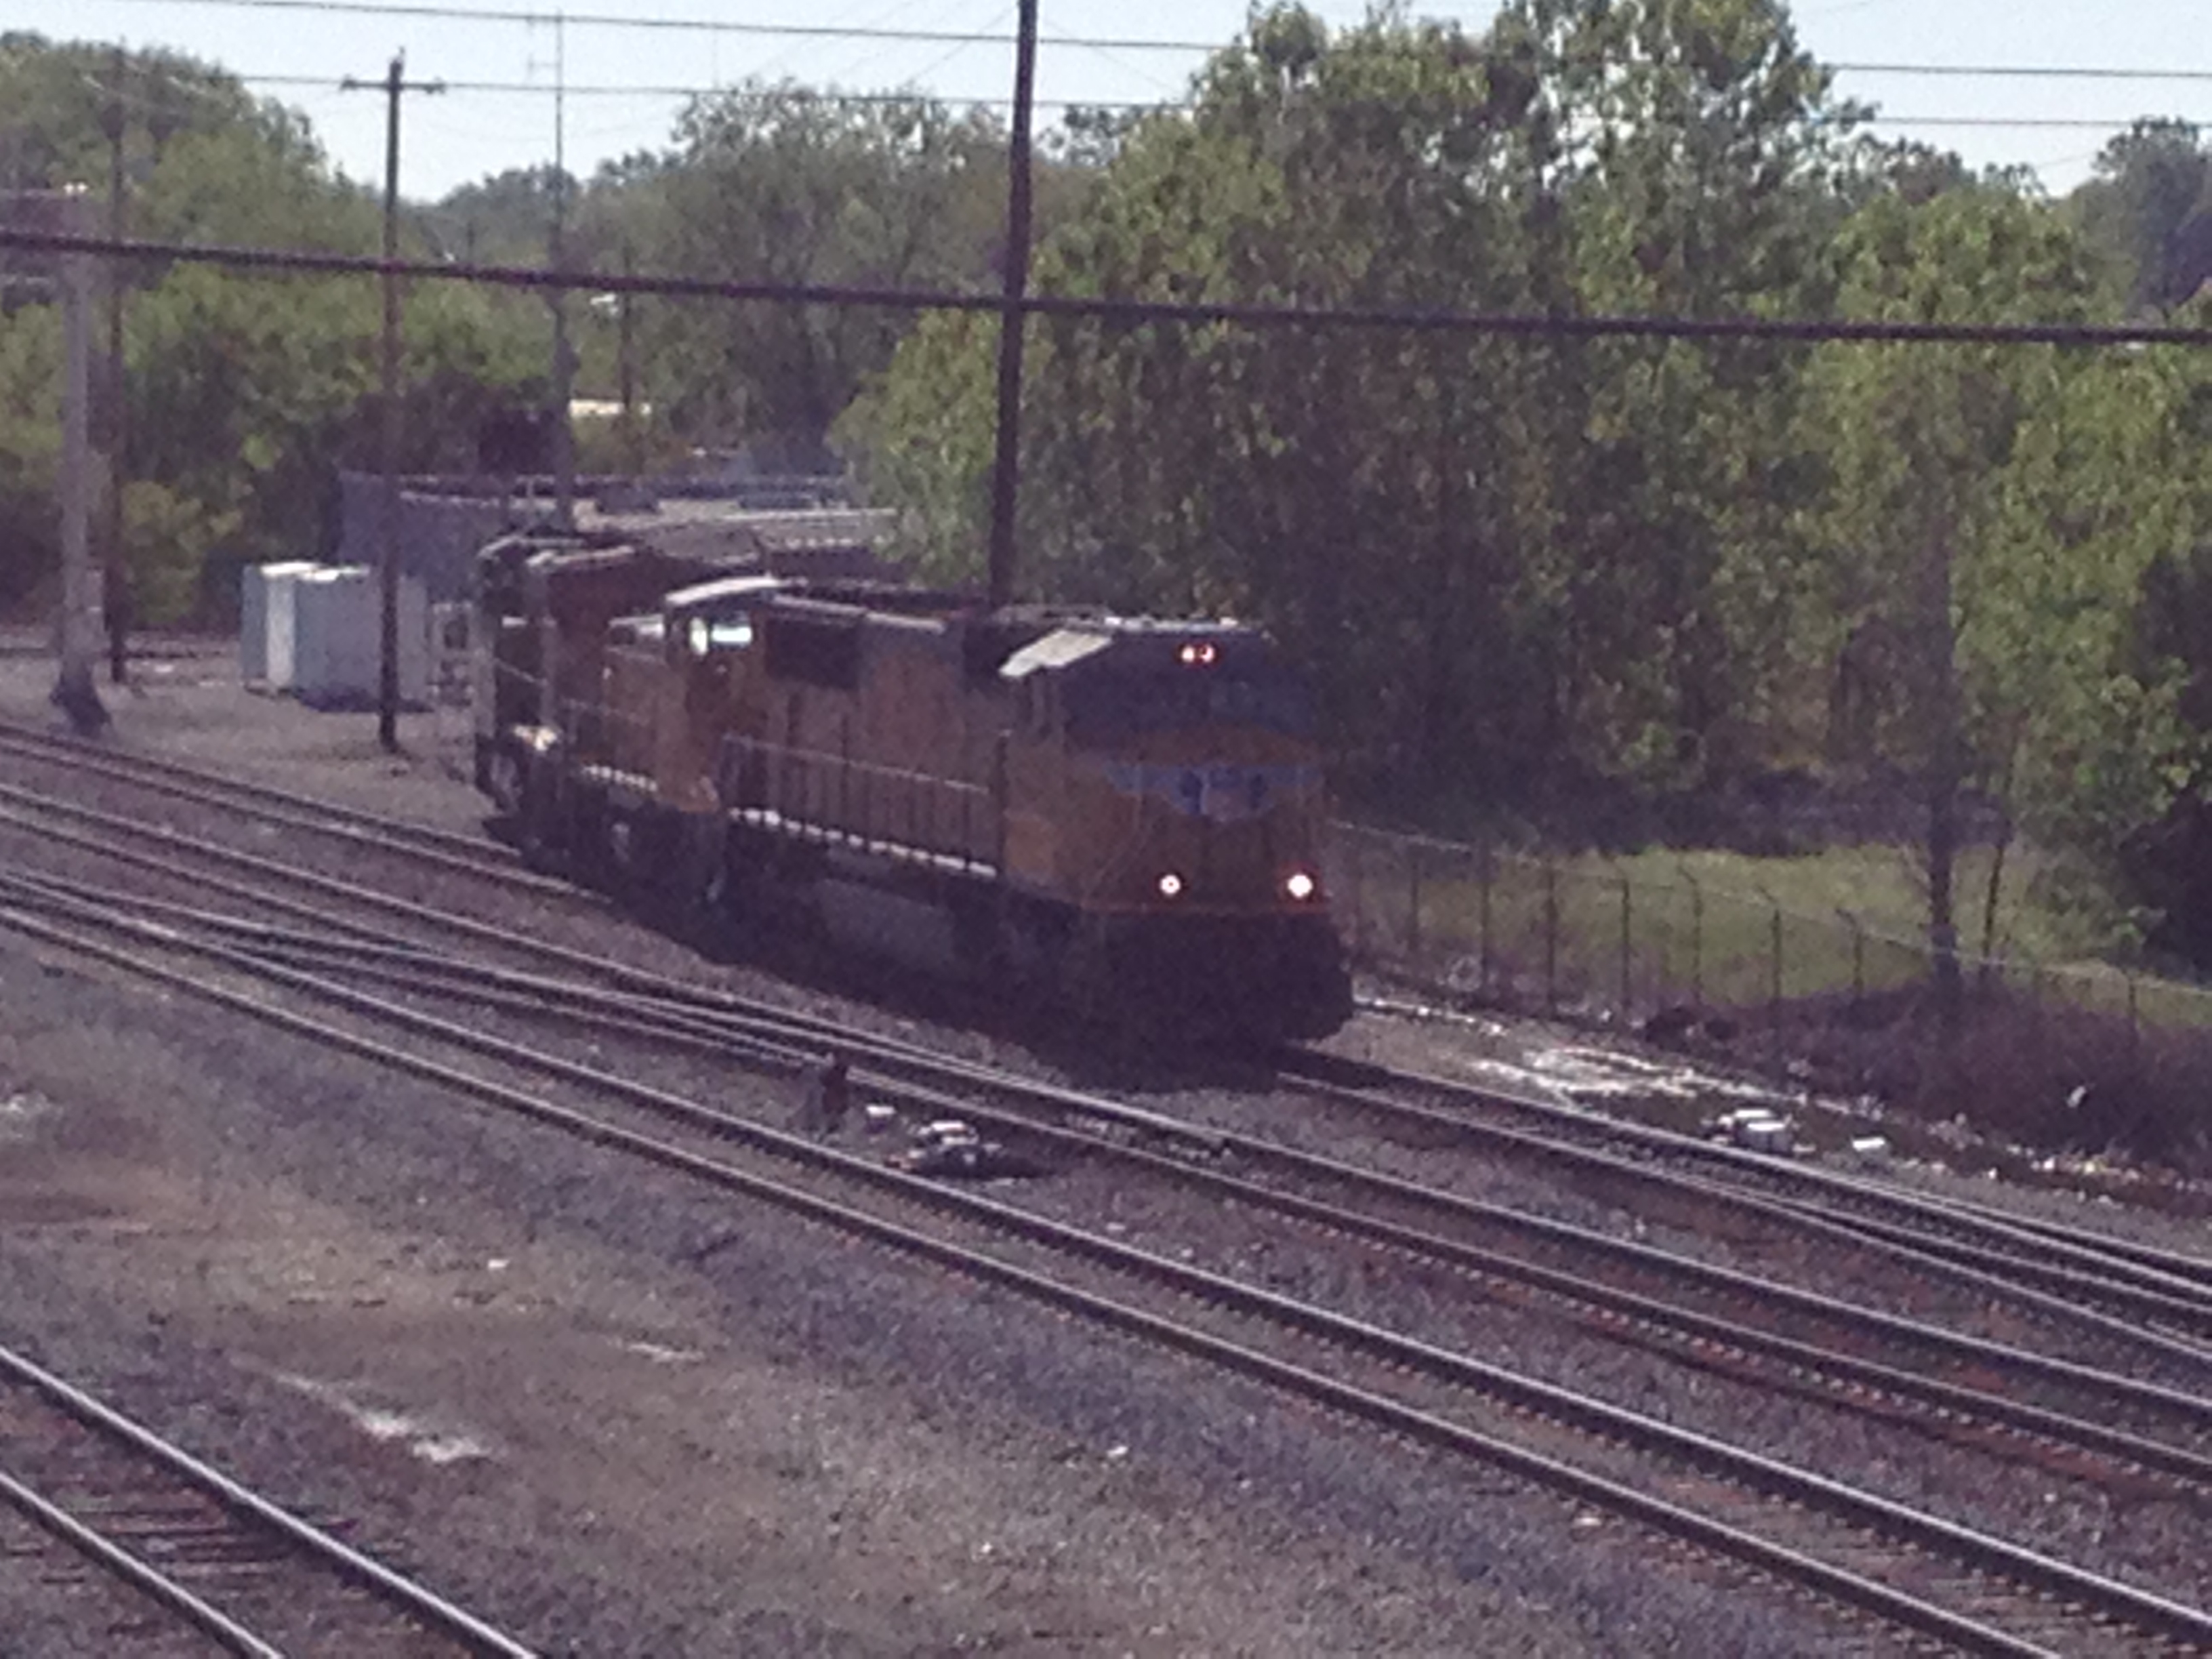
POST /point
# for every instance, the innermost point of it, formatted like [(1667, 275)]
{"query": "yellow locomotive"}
[(1121, 811)]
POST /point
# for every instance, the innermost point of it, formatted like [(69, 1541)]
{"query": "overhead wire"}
[(993, 100), (449, 10), (1508, 324)]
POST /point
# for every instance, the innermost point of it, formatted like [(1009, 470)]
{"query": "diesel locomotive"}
[(1122, 813)]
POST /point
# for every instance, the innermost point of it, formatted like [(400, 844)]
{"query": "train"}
[(1121, 815)]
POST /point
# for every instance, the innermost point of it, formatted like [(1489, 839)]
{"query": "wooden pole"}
[(387, 697), (1006, 470)]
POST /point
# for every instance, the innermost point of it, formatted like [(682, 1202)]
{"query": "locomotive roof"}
[(1142, 643), (703, 594)]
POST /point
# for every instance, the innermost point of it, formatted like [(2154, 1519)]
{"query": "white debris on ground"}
[(1855, 1131), (1755, 1129)]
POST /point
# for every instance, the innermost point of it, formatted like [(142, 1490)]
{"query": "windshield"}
[(1108, 708), (720, 634)]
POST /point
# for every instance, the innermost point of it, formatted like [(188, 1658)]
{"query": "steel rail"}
[(1800, 1218), (514, 992), (445, 849), (823, 1032), (417, 1601), (2078, 1432), (2169, 1273), (2189, 1291), (2154, 1614), (136, 1571), (832, 1035)]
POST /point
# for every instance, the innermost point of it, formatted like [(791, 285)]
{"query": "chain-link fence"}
[(1583, 938)]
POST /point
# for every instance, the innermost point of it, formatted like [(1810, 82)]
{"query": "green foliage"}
[(1993, 515), (1494, 554), (166, 539), (242, 394), (1521, 569), (2150, 211), (779, 184)]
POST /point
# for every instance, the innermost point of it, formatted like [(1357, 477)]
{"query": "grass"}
[(1724, 929)]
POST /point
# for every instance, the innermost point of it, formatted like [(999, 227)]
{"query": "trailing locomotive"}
[(1121, 812)]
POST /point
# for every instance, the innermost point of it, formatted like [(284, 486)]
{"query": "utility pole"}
[(564, 358), (74, 276), (1005, 472), (74, 693), (116, 589), (625, 353), (387, 701)]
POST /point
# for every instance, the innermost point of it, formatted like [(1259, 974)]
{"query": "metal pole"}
[(1007, 470), (564, 357), (633, 439), (116, 597), (387, 697), (1551, 937), (79, 628), (1627, 946)]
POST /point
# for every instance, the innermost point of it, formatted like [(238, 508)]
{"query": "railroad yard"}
[(503, 1238)]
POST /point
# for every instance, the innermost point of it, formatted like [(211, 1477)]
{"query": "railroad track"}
[(2170, 1289), (2003, 1599), (2061, 1255), (790, 1028), (206, 1553), (667, 1010)]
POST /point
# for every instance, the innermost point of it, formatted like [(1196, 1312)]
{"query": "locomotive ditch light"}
[(1300, 885), (1199, 654), (1170, 886)]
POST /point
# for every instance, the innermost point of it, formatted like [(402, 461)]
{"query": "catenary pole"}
[(116, 589), (1007, 469), (74, 693), (564, 354), (387, 695)]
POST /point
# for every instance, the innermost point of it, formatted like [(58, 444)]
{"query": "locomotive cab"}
[(1163, 780)]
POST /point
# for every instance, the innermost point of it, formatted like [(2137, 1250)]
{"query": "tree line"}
[(1594, 586)]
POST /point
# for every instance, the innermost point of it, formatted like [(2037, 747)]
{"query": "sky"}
[(624, 85)]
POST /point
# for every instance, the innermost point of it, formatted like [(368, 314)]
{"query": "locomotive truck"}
[(1121, 813)]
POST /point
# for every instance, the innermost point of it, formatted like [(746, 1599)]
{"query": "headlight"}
[(1300, 885), (1170, 886)]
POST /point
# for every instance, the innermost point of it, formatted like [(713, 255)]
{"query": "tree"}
[(244, 393), (2150, 208), (779, 184), (1504, 559), (1992, 520)]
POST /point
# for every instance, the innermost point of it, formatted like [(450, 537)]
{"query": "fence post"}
[(1487, 875), (1355, 864), (1774, 993), (1697, 940), (1550, 935), (1414, 901), (2135, 1024), (1858, 957), (1627, 987)]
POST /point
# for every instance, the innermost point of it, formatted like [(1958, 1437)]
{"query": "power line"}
[(683, 25), (2024, 71), (1500, 325), (742, 91), (435, 9)]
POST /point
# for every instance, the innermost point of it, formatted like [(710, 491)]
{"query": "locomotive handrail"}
[(813, 787)]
